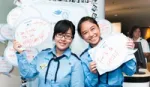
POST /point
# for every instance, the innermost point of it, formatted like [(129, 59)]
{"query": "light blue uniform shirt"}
[(65, 72), (110, 79)]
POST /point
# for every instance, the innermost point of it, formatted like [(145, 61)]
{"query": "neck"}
[(135, 39), (59, 52)]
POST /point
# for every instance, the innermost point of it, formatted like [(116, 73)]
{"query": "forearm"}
[(91, 79), (27, 70), (129, 67)]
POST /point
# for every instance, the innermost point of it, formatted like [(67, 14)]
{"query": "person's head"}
[(64, 32), (135, 32), (89, 30)]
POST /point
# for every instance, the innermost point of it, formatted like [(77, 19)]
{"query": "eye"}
[(68, 36), (59, 34), (93, 28), (84, 33)]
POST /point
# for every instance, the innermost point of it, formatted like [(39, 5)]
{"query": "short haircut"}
[(133, 29), (63, 26)]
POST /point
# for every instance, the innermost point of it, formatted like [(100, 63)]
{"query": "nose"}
[(90, 33), (63, 38)]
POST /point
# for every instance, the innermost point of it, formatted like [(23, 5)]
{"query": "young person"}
[(56, 67), (89, 30)]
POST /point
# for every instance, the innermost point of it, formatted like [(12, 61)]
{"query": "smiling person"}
[(89, 31), (56, 67)]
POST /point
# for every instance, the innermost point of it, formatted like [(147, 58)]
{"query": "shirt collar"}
[(67, 52), (138, 39)]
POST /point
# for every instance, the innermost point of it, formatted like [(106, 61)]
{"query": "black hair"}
[(133, 29), (63, 26), (83, 19)]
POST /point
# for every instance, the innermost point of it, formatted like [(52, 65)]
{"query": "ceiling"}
[(128, 12)]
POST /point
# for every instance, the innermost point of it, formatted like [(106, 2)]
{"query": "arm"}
[(145, 46), (146, 49), (77, 77), (129, 68), (27, 70), (90, 78)]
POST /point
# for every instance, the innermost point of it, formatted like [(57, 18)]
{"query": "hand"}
[(93, 67), (130, 43), (17, 46)]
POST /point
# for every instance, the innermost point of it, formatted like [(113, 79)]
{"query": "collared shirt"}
[(144, 43), (69, 73), (110, 79)]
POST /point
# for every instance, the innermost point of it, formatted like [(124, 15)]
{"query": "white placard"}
[(7, 32), (105, 28), (2, 39), (55, 11), (14, 15), (110, 53), (19, 14), (32, 32), (5, 67), (10, 54)]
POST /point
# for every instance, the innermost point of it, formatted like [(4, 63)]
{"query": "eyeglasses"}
[(66, 36)]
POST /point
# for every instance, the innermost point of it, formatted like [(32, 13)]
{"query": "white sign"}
[(32, 32), (5, 67), (10, 54), (7, 32), (19, 14), (110, 53), (14, 15), (105, 28)]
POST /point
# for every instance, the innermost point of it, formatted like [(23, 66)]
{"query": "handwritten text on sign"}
[(110, 53), (7, 32), (105, 27), (14, 15), (5, 67), (32, 32), (10, 54)]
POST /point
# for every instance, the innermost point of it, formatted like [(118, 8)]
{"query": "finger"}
[(93, 69), (131, 45), (92, 63)]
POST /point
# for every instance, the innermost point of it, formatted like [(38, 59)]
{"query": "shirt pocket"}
[(65, 81), (42, 67), (64, 73)]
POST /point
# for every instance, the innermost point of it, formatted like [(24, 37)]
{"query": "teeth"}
[(62, 43)]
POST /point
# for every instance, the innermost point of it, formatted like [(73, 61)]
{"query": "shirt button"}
[(69, 63)]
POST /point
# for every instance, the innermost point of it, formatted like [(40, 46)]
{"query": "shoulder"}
[(75, 56), (47, 50), (84, 52), (143, 41)]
